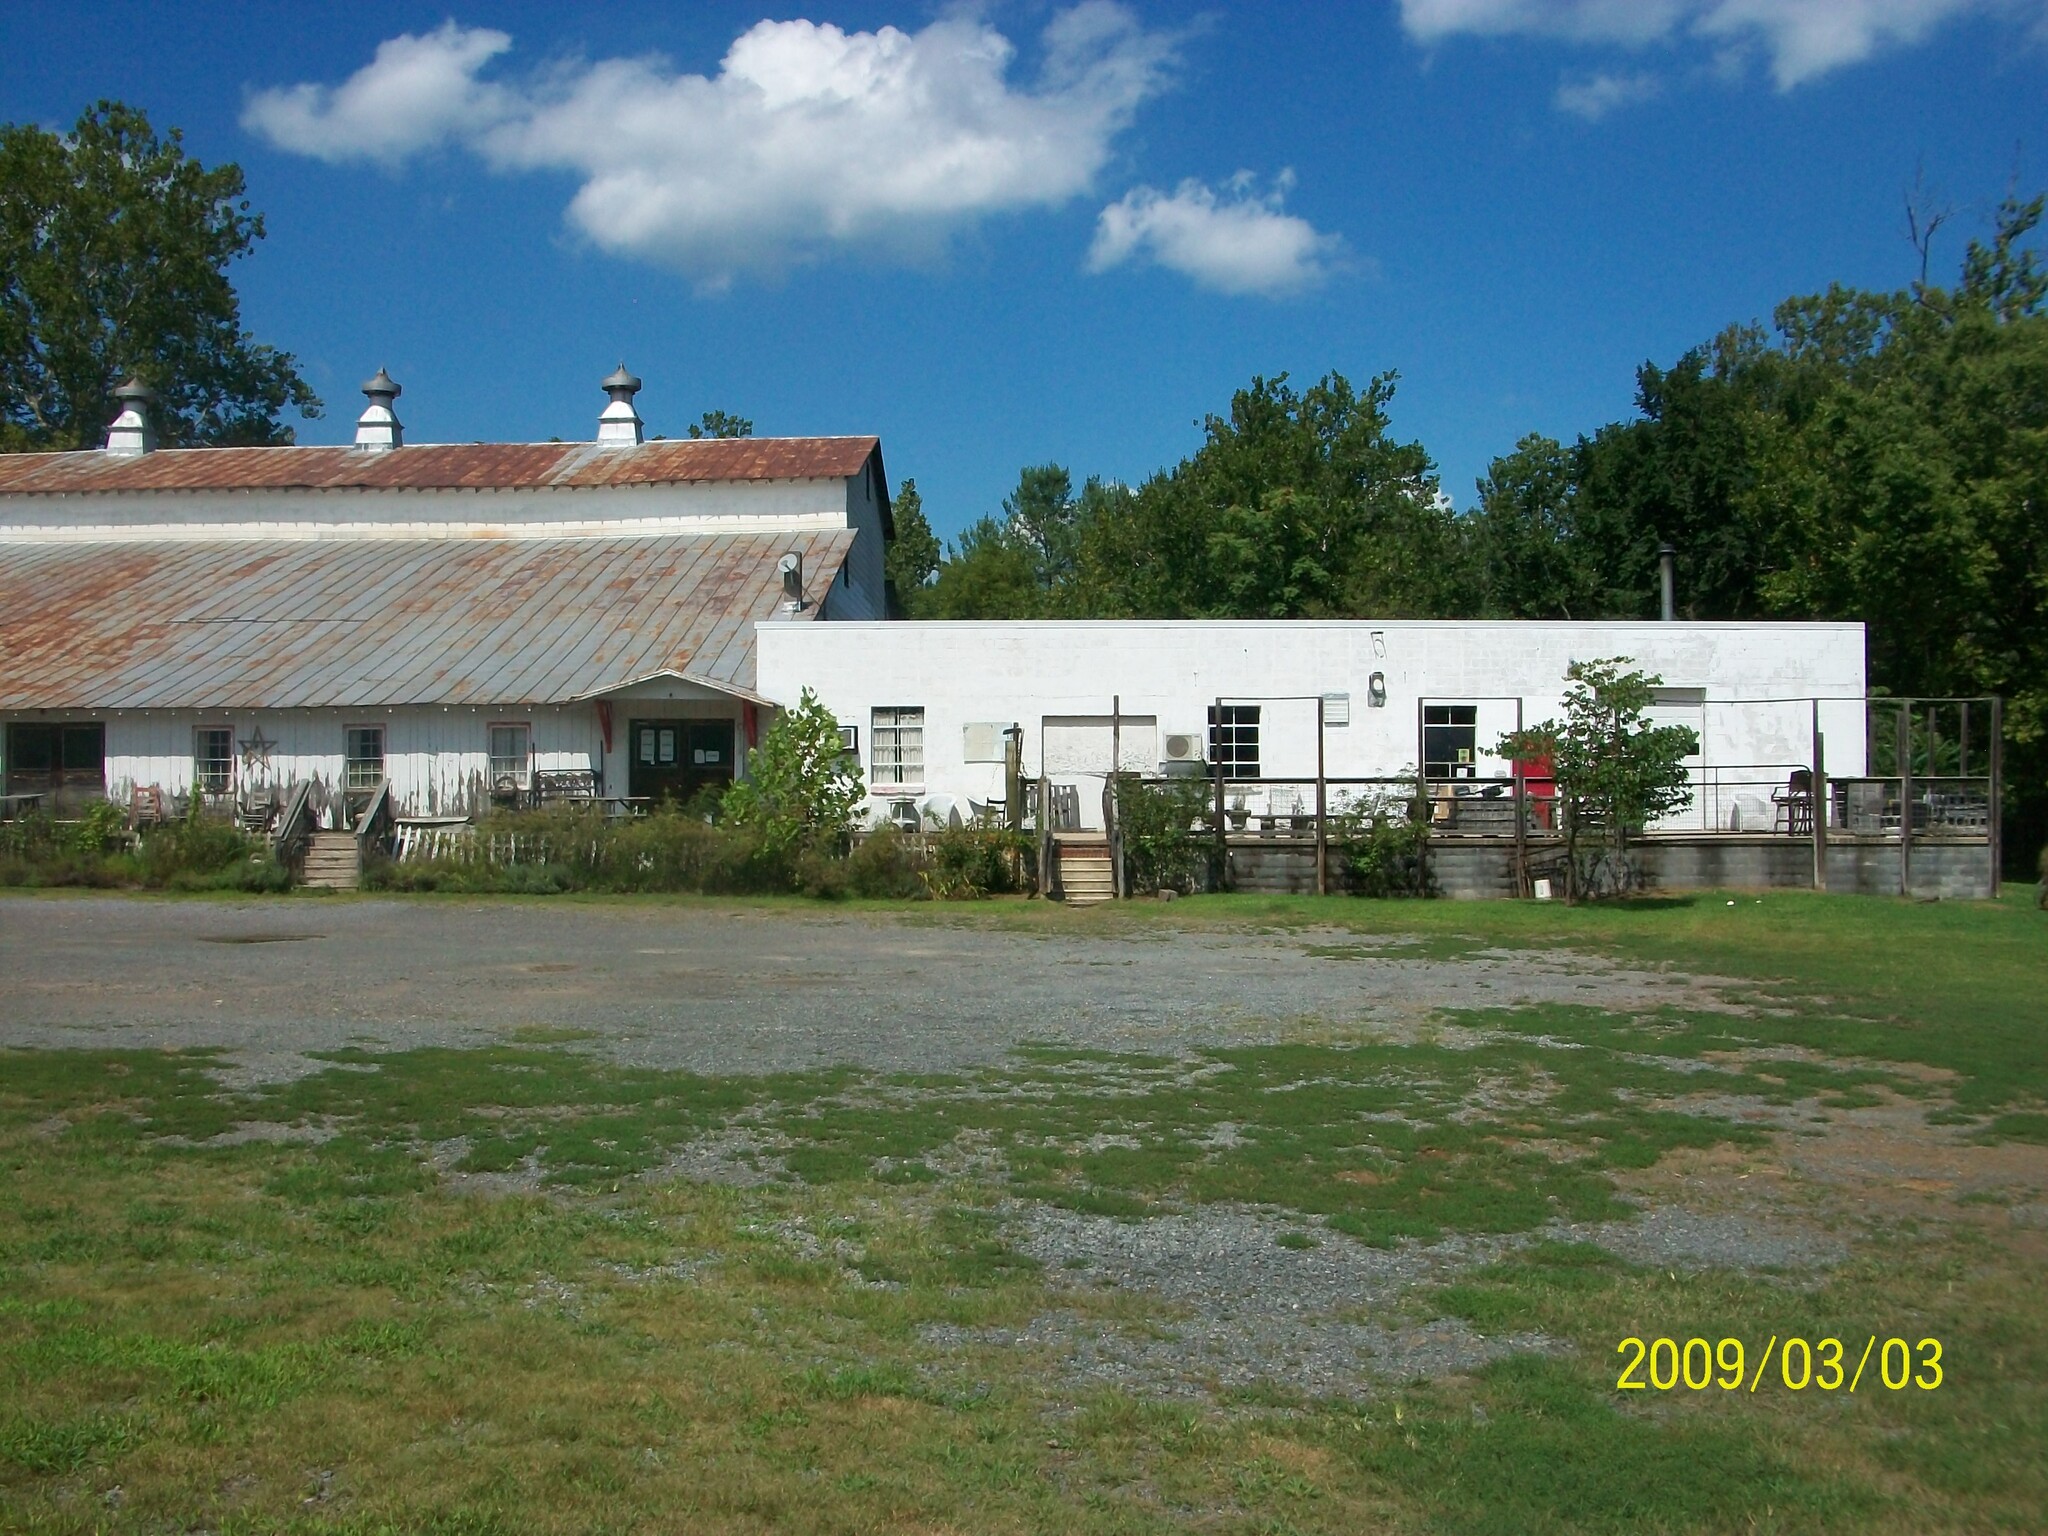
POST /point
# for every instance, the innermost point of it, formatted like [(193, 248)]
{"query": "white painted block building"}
[(931, 700)]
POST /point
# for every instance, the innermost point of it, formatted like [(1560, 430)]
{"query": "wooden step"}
[(333, 861), (1086, 878)]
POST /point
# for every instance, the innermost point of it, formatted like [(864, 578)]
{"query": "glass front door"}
[(677, 760)]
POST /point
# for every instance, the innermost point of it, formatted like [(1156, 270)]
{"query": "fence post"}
[(1821, 801), (1997, 816), (1322, 811), (1904, 747), (1045, 843), (1113, 809), (1521, 831), (1222, 877)]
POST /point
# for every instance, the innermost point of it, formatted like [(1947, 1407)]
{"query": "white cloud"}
[(1802, 39), (418, 92), (806, 138), (1593, 98), (1238, 242), (1806, 38), (1607, 21)]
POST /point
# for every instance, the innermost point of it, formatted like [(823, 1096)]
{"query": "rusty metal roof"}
[(375, 623), (439, 467)]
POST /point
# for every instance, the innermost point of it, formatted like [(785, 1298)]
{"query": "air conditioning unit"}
[(1183, 747)]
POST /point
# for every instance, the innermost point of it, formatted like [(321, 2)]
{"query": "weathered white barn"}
[(458, 621)]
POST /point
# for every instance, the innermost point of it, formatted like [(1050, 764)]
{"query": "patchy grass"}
[(475, 1304)]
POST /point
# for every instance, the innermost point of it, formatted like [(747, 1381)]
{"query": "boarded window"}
[(511, 758), (981, 743), (1234, 740), (363, 756), (213, 759), (896, 740), (1084, 744)]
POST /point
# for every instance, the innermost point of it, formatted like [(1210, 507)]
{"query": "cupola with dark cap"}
[(379, 428), (620, 425), (132, 433)]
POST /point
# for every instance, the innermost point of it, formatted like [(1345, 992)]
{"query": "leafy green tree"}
[(1535, 558), (1024, 564), (992, 572), (1299, 504), (802, 786), (1043, 515), (1882, 457), (1615, 771), (114, 250), (721, 424), (1913, 494), (913, 556)]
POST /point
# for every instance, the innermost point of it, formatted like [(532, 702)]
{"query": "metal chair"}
[(1795, 804)]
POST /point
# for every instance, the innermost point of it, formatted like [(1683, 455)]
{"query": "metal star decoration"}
[(256, 750)]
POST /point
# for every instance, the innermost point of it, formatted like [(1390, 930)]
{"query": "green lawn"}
[(465, 1290)]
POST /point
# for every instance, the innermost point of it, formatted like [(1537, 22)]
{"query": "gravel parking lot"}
[(711, 989)]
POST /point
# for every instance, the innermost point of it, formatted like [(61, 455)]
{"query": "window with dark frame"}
[(1450, 741), (1234, 740), (362, 756), (213, 759)]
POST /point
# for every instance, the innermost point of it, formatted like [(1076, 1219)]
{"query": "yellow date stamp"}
[(1697, 1365)]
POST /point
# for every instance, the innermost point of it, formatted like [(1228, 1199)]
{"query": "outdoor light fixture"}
[(1376, 691)]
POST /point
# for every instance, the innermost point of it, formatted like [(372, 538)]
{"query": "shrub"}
[(1157, 817), (801, 788), (1385, 843), (974, 861), (1616, 771), (572, 849), (192, 854), (192, 847), (97, 829), (881, 866)]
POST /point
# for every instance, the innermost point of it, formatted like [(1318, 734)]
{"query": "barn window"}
[(1234, 740), (213, 759), (363, 755), (897, 744), (511, 758)]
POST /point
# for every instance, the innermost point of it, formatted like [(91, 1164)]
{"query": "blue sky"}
[(1022, 232)]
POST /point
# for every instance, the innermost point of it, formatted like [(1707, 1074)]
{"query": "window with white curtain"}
[(896, 747)]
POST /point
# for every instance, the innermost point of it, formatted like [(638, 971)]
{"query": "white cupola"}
[(379, 428), (620, 425), (131, 434)]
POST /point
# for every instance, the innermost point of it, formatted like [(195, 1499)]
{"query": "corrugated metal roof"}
[(439, 467), (381, 622)]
